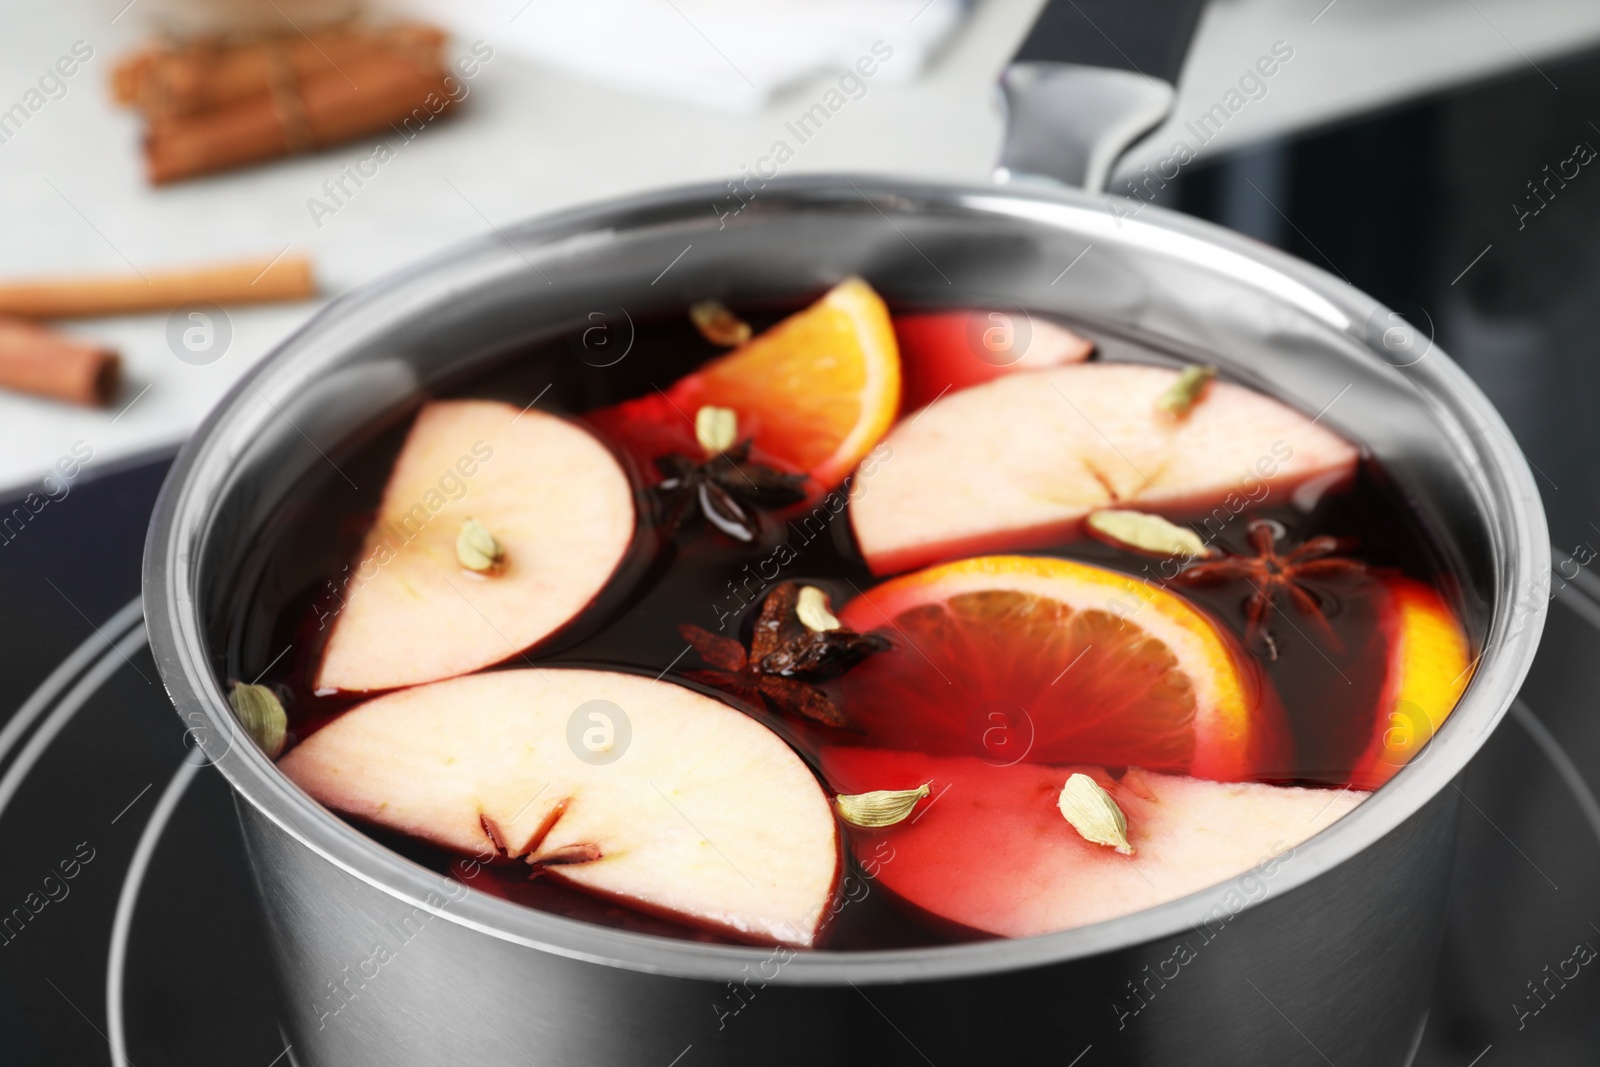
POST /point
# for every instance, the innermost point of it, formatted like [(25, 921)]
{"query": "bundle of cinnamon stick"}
[(214, 104)]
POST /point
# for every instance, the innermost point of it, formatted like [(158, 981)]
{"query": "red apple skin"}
[(554, 497), (938, 353), (1018, 462), (990, 852), (701, 814), (647, 427)]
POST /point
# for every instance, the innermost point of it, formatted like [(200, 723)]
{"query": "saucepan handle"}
[(1091, 77)]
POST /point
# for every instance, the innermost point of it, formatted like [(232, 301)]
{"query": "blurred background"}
[(184, 182)]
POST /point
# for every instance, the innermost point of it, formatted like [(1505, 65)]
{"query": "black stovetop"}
[(125, 902)]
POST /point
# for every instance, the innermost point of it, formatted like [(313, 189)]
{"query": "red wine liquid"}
[(1329, 688)]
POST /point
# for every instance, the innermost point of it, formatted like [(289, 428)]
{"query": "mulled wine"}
[(837, 627)]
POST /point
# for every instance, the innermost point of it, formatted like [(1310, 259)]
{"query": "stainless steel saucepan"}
[(1324, 955)]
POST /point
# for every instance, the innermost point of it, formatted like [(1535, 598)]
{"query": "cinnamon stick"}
[(128, 77), (39, 360), (253, 281), (169, 83), (366, 97)]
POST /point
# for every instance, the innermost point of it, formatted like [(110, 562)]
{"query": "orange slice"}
[(1020, 658), (817, 391), (1429, 666)]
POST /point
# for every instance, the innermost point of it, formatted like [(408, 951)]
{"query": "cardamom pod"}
[(1093, 813), (261, 714), (1143, 532), (716, 428), (476, 548), (717, 324), (812, 610), (881, 807), (1182, 394)]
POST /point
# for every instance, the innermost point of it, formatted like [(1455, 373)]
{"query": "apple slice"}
[(639, 791), (1018, 462), (990, 851), (548, 492), (945, 351)]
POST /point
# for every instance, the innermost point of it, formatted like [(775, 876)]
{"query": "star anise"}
[(725, 488), (1271, 573), (784, 659)]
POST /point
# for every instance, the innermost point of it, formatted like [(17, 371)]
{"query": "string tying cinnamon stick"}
[(36, 359), (286, 103), (254, 281)]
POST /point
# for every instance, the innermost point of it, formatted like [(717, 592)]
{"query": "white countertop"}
[(73, 197)]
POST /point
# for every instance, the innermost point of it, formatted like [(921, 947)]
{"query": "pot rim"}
[(1516, 522)]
